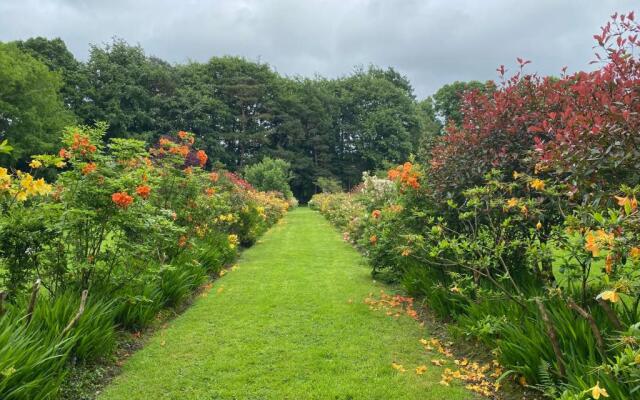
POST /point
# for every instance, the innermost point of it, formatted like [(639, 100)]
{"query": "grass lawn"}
[(288, 323)]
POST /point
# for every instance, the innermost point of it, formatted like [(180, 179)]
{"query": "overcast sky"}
[(433, 42)]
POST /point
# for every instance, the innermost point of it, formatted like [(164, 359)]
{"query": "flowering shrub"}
[(138, 228), (522, 224)]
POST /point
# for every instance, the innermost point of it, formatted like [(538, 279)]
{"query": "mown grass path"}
[(288, 323)]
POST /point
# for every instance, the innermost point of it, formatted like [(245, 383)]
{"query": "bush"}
[(522, 227), (138, 228), (270, 175)]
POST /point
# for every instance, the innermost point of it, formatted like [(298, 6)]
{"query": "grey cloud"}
[(432, 42)]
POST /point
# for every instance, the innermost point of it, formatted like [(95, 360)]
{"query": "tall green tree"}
[(248, 91), (128, 90), (377, 124), (32, 113), (305, 120), (55, 55), (448, 99)]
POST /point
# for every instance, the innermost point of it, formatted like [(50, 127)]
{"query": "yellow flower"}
[(539, 225), (35, 164), (610, 295), (5, 179), (41, 187), (421, 369), (233, 240), (61, 164), (516, 175), (537, 184), (634, 252), (21, 196), (26, 181), (597, 391), (512, 202)]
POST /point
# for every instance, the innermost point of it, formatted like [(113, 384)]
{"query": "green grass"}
[(282, 326)]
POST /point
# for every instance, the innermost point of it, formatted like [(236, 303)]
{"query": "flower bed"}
[(123, 232), (521, 226)]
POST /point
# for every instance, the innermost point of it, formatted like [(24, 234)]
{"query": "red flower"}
[(376, 214), (202, 157), (143, 191), (122, 199)]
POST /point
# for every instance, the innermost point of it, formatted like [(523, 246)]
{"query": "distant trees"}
[(448, 99), (240, 111), (270, 174), (32, 113)]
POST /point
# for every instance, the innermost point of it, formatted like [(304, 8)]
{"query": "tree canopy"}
[(239, 110), (32, 113)]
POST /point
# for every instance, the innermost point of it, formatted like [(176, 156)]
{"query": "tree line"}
[(240, 111)]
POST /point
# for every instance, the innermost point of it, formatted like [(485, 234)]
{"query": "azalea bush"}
[(520, 225), (127, 227)]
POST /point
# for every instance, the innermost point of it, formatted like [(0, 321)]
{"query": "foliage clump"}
[(520, 224)]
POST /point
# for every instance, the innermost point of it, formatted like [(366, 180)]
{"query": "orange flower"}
[(182, 241), (202, 157), (210, 191), (591, 244), (122, 199), (608, 264), (413, 182), (376, 214), (143, 191), (188, 171), (634, 252), (89, 168), (165, 142), (404, 173), (624, 201), (180, 150), (512, 202), (82, 143), (373, 239), (64, 153), (182, 135)]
